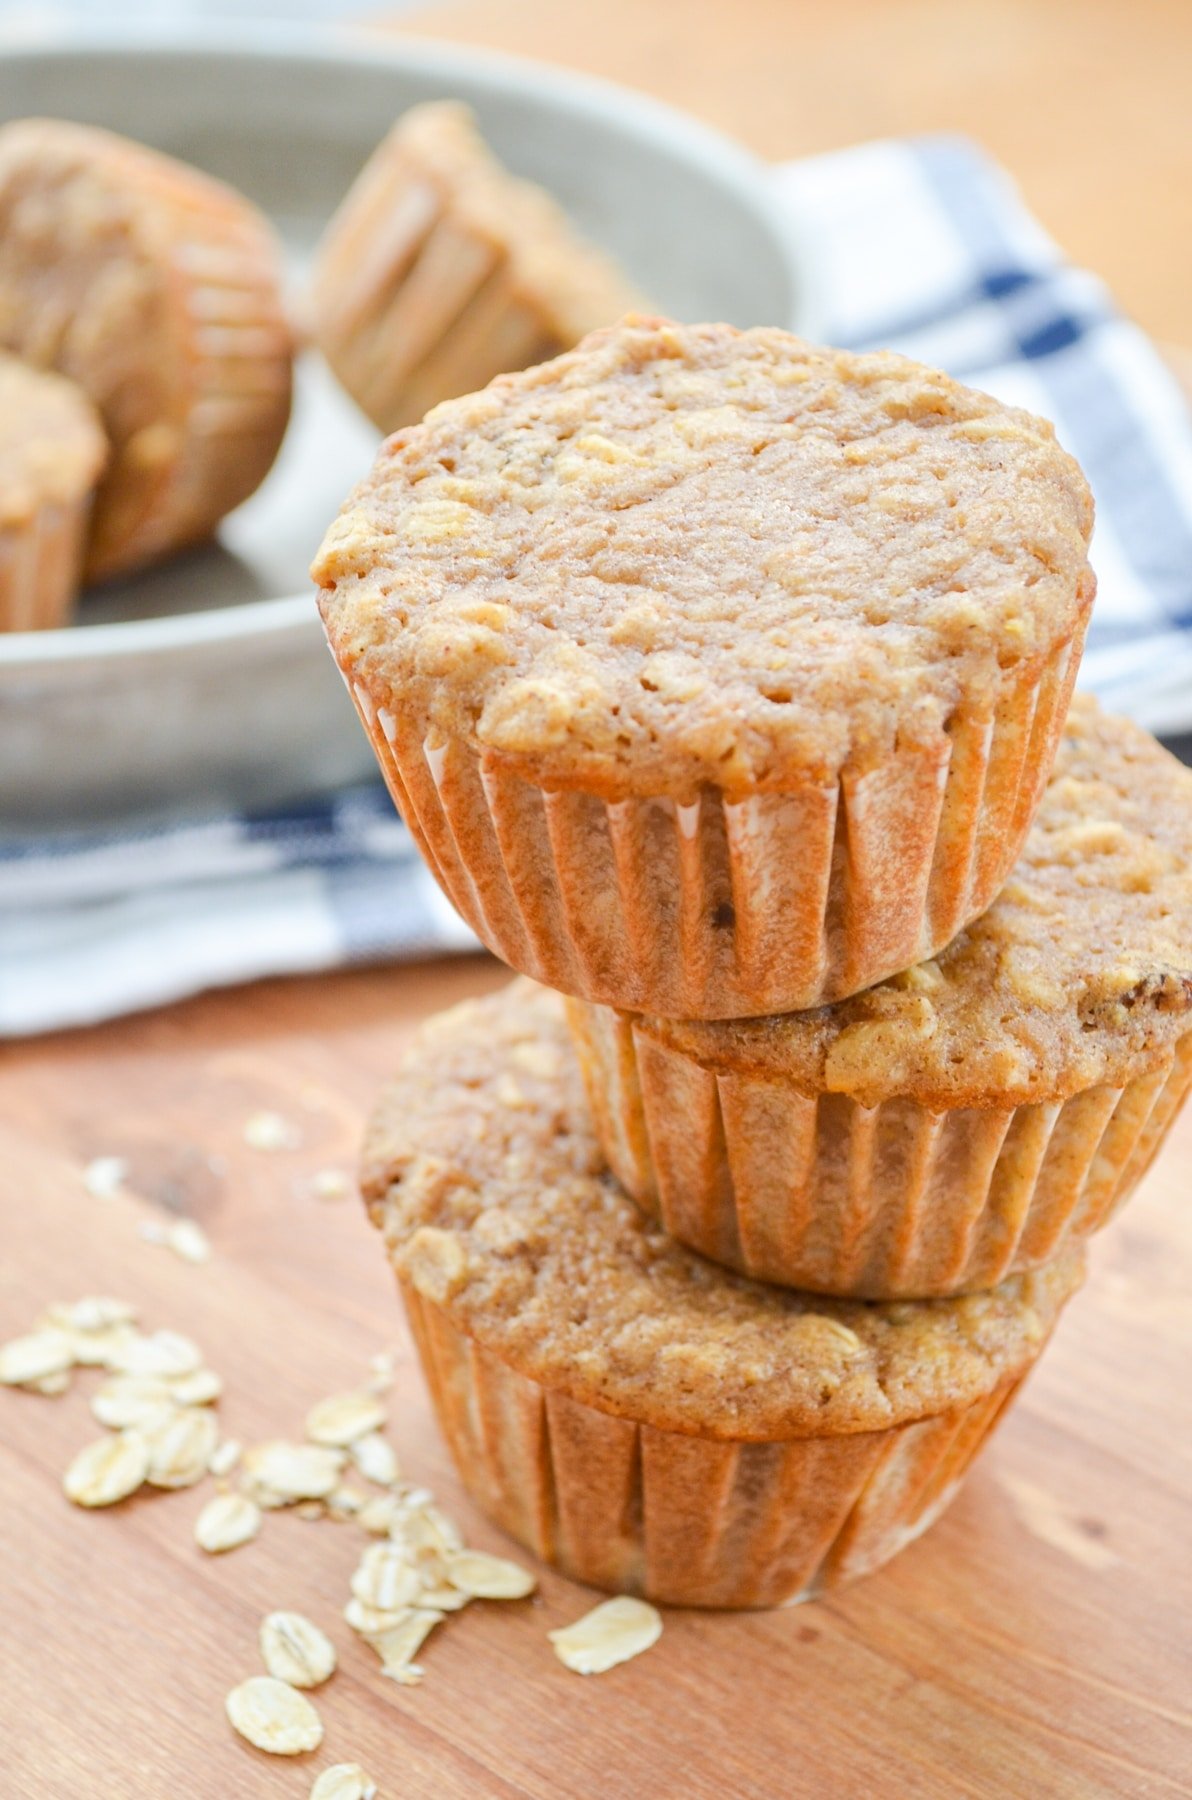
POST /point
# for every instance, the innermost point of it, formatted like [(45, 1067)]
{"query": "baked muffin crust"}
[(156, 289), (482, 1168), (52, 446), (440, 269), (1079, 973), (687, 554)]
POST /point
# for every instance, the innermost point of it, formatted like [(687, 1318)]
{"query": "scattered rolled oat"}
[(382, 1367), (187, 1239), (104, 1176), (296, 1651), (293, 1471), (225, 1456), (420, 1525), (269, 1131), (108, 1470), (227, 1522), (133, 1400), (377, 1514), (329, 1184), (372, 1621), (98, 1349), (180, 1450), (147, 1417), (33, 1357), (488, 1577), (347, 1502), (343, 1781), (344, 1418), (274, 1716), (442, 1597), (165, 1353), (399, 1645), (94, 1312), (384, 1579), (375, 1458), (199, 1388), (610, 1634), (51, 1385)]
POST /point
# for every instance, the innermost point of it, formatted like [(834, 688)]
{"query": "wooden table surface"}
[(1037, 1642)]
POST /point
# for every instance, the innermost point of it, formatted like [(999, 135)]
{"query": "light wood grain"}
[(1086, 102), (1037, 1642), (987, 1661)]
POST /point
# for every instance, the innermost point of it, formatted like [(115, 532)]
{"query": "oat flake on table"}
[(343, 1418), (33, 1357), (610, 1634), (107, 1470), (295, 1650), (274, 1716), (227, 1522), (487, 1577), (343, 1781), (287, 1471)]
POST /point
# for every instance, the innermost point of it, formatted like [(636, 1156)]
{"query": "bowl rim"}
[(366, 46)]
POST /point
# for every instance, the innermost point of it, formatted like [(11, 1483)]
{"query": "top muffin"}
[(683, 555)]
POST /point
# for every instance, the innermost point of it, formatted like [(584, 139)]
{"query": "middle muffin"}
[(959, 1122), (715, 675)]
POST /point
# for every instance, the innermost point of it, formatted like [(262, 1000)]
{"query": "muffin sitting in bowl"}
[(441, 269)]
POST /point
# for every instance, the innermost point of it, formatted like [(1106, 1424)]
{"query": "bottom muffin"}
[(641, 1418)]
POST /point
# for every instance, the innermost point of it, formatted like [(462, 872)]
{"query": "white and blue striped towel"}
[(922, 246)]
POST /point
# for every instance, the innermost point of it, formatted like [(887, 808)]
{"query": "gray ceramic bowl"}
[(206, 683)]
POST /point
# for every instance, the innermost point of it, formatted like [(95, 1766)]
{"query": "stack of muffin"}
[(723, 683)]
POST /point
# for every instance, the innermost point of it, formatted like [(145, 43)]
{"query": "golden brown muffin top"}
[(688, 554), (52, 445), (483, 1170), (1079, 973)]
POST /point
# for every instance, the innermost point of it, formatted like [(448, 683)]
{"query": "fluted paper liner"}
[(730, 908), (40, 565), (423, 305), (687, 1520), (887, 1202), (221, 352), (225, 273)]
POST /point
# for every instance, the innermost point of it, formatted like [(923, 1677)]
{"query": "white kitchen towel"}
[(923, 246)]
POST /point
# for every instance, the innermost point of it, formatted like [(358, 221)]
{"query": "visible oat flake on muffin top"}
[(682, 554), (483, 1170)]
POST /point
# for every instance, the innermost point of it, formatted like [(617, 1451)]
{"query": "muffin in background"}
[(440, 270), (963, 1121), (157, 290), (52, 451), (716, 675), (641, 1419)]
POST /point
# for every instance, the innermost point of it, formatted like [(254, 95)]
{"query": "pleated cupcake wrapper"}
[(684, 1520), (723, 908), (41, 564), (884, 1203), (225, 272), (418, 303)]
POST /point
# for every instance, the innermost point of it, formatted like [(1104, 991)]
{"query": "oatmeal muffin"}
[(52, 449), (156, 290), (958, 1123), (441, 270), (716, 675), (640, 1418)]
